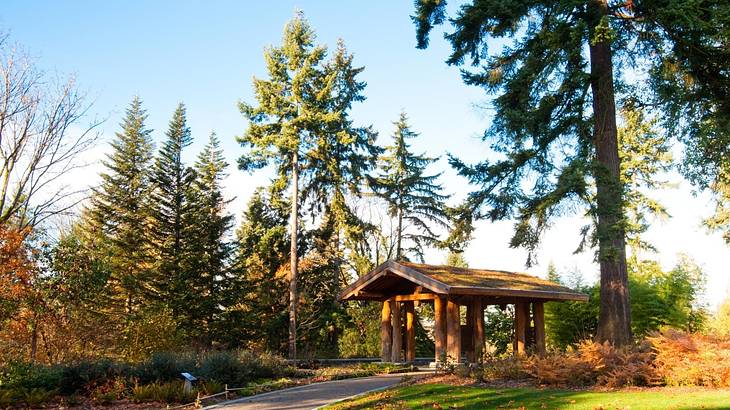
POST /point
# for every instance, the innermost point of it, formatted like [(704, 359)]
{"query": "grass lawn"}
[(443, 396)]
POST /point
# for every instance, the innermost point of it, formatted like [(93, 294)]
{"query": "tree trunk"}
[(293, 259), (400, 234), (614, 323)]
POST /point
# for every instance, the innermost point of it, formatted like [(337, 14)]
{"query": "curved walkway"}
[(314, 395)]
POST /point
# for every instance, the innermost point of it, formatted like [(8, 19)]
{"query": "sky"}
[(205, 54)]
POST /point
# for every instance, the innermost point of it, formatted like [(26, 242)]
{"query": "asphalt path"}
[(313, 395)]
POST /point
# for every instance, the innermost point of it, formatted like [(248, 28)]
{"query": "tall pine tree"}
[(172, 214), (209, 249), (291, 107), (121, 211), (414, 198)]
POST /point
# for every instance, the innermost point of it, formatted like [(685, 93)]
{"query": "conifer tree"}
[(208, 248), (555, 83), (414, 198), (291, 106), (121, 211), (172, 213)]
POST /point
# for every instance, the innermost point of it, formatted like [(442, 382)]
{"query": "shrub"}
[(87, 374), (595, 363), (36, 396), (165, 366), (684, 359), (170, 392), (29, 376)]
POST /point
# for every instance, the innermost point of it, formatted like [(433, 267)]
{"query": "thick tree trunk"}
[(386, 333), (614, 323), (293, 259), (400, 235)]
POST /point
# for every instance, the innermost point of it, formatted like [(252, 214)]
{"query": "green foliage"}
[(165, 366), (361, 334), (169, 392), (238, 368), (414, 198), (172, 216), (499, 328), (659, 299)]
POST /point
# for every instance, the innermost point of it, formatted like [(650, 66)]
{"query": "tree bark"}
[(293, 259), (521, 318), (410, 331), (614, 322), (439, 332), (397, 345), (538, 311), (386, 333), (453, 331)]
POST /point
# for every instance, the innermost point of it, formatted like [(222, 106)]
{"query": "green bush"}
[(36, 395), (84, 374), (29, 376), (238, 368), (165, 366)]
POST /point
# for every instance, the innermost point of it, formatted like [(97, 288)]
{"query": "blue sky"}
[(205, 53)]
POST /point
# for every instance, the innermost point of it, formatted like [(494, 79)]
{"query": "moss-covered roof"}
[(403, 278)]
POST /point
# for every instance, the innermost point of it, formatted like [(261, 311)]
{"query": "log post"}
[(538, 309), (478, 329), (520, 327), (453, 331), (468, 342), (410, 331), (386, 333), (397, 333), (439, 331)]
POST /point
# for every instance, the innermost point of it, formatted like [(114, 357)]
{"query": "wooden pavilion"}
[(401, 285)]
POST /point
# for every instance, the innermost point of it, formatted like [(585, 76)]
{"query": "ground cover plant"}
[(157, 380)]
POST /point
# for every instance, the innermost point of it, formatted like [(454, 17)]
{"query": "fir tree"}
[(172, 213), (257, 308), (555, 83), (209, 250), (414, 198), (121, 210), (291, 107)]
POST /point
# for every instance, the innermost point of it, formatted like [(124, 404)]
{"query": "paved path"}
[(313, 395)]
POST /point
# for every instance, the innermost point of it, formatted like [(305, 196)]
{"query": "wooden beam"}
[(520, 327), (395, 354), (478, 329), (418, 278), (419, 296), (439, 331), (453, 331), (545, 295), (539, 319), (410, 332), (468, 343), (386, 333)]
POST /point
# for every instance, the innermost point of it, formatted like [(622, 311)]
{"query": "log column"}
[(521, 318), (410, 331), (538, 309), (397, 333), (453, 331), (478, 343), (468, 342), (439, 331), (386, 333)]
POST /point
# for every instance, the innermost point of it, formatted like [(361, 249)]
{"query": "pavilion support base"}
[(521, 319), (397, 345), (538, 311), (478, 343), (410, 355), (386, 333), (453, 331), (439, 331)]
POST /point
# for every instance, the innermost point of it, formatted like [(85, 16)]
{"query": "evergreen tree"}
[(292, 106), (121, 211), (414, 198), (555, 82), (172, 214), (257, 309), (209, 250)]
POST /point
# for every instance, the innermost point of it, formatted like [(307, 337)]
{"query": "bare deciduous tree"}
[(41, 140)]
